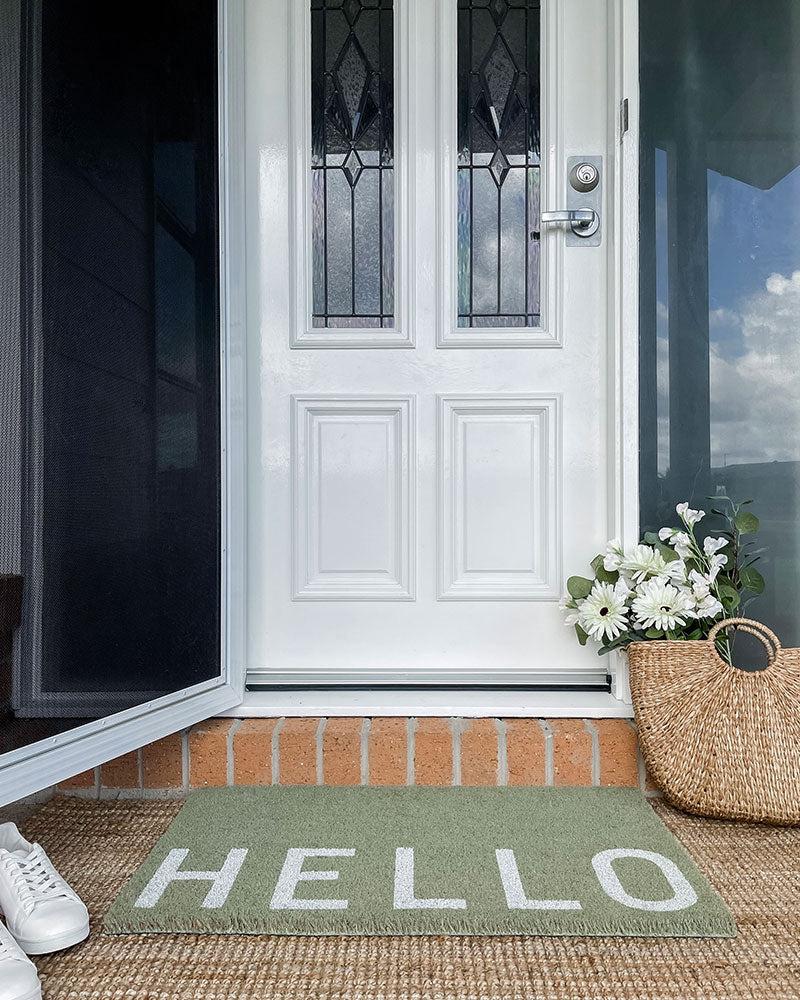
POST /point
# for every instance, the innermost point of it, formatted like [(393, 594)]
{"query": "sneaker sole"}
[(59, 943)]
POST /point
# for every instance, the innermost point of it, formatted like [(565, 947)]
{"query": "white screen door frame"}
[(43, 764)]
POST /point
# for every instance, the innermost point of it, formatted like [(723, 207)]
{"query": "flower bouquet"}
[(670, 585)]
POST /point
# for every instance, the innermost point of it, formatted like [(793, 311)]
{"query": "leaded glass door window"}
[(498, 162), (352, 159)]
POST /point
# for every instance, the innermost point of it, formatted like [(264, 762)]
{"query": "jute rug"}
[(98, 847), (420, 861)]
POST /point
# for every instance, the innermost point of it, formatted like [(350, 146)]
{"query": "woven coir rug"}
[(419, 861)]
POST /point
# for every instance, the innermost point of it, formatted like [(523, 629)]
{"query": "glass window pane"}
[(498, 163), (720, 275), (352, 163)]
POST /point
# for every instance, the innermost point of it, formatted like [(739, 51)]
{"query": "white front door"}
[(431, 428)]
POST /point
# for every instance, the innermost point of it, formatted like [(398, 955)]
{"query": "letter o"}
[(683, 896)]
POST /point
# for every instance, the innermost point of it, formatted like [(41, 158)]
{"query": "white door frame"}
[(621, 231), (42, 764)]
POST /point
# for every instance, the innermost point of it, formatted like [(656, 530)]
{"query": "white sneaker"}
[(41, 910), (18, 977)]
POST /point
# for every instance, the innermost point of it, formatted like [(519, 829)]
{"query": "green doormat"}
[(419, 861)]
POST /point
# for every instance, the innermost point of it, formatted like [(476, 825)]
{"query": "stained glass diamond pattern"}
[(352, 74), (498, 9), (499, 167), (498, 79), (352, 168), (352, 8)]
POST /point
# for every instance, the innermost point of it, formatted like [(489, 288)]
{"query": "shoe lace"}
[(35, 880)]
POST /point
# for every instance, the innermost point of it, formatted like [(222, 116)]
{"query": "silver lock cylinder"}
[(584, 176)]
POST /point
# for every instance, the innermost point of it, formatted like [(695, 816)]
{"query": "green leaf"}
[(669, 555), (728, 595), (752, 580), (654, 633), (579, 587), (746, 523), (582, 636), (601, 573), (651, 538)]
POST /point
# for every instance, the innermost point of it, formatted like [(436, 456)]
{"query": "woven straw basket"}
[(717, 740)]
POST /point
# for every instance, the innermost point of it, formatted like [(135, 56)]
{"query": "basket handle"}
[(758, 629)]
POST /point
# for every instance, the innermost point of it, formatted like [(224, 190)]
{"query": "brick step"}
[(376, 751)]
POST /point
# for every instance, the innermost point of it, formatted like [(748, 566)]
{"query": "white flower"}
[(572, 608), (716, 562), (682, 544), (712, 545), (689, 516), (643, 561), (622, 589), (709, 607), (662, 606), (679, 540), (603, 614), (613, 557), (701, 585)]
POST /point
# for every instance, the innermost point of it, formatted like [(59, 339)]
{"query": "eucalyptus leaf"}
[(579, 587), (746, 523), (752, 580), (651, 538), (581, 634), (669, 555)]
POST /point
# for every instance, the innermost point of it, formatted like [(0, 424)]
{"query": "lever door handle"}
[(582, 221)]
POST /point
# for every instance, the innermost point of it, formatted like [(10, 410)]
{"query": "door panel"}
[(408, 505)]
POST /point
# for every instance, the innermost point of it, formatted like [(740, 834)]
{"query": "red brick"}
[(525, 751), (162, 763), (619, 753), (479, 752), (341, 751), (83, 780), (433, 753), (297, 748), (388, 748), (572, 752), (208, 753), (122, 772), (252, 752)]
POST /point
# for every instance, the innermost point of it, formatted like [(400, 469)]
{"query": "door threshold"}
[(421, 702)]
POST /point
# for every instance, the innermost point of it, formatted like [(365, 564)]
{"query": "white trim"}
[(437, 702), (623, 242), (549, 334), (303, 334), (39, 765)]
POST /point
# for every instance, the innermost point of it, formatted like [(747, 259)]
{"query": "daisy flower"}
[(603, 615), (660, 605), (643, 561)]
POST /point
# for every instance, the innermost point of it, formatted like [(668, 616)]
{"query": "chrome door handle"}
[(582, 221)]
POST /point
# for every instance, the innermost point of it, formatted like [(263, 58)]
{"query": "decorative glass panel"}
[(498, 163), (352, 163)]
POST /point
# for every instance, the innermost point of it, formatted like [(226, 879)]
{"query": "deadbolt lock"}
[(584, 176)]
